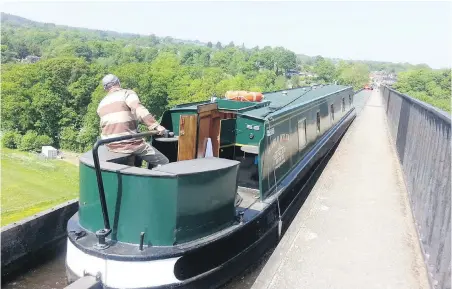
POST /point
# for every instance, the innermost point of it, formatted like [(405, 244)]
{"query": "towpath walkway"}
[(356, 229)]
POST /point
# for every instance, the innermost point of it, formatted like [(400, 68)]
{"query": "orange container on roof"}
[(242, 95)]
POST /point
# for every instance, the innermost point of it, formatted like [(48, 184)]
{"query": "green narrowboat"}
[(234, 183)]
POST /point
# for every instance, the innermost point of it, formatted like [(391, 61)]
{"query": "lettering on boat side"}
[(279, 157), (282, 138), (270, 131), (277, 145)]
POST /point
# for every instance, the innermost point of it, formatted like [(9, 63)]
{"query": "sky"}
[(414, 32)]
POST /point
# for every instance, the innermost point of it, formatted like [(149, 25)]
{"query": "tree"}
[(218, 45), (28, 141), (295, 81), (353, 74), (43, 140), (11, 139), (284, 59), (7, 54), (221, 58), (280, 83), (48, 95), (266, 58), (431, 86), (325, 70), (69, 139), (209, 44)]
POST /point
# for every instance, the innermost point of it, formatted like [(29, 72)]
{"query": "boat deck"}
[(251, 204)]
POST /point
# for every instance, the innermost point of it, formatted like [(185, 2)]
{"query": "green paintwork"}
[(234, 105), (171, 119), (243, 132), (284, 141), (135, 204), (285, 100), (205, 203), (227, 134), (167, 209)]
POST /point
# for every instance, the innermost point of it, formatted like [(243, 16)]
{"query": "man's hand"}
[(160, 129)]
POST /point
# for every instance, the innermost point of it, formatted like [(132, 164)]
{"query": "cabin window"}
[(332, 112), (343, 104), (318, 122), (302, 138)]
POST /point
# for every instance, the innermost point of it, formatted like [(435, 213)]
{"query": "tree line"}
[(431, 86)]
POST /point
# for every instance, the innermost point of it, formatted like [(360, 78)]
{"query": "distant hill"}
[(20, 22), (17, 22), (389, 67)]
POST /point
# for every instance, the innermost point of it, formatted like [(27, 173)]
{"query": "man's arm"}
[(141, 112)]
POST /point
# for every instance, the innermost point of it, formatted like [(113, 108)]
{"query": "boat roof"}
[(281, 101), (275, 102)]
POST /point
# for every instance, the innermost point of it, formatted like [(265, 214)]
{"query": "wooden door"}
[(209, 126), (188, 126)]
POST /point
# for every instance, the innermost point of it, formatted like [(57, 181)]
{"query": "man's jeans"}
[(150, 155)]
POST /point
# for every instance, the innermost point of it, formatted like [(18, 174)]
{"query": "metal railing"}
[(421, 134), (103, 233)]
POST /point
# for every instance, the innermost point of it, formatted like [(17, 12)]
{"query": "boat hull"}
[(210, 262)]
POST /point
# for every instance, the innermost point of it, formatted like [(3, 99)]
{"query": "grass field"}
[(30, 184)]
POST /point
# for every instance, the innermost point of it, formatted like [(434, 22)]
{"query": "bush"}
[(11, 139), (28, 142), (31, 141), (68, 139), (42, 140)]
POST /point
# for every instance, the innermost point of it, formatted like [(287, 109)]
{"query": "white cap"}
[(110, 80)]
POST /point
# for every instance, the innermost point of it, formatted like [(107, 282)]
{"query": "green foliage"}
[(431, 86), (352, 74), (325, 70), (42, 140), (28, 142), (68, 139), (47, 95), (306, 63), (295, 81), (11, 139), (31, 141)]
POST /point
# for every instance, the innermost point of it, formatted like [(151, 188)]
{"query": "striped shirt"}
[(119, 113)]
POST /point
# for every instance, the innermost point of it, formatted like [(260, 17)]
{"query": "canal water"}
[(51, 274)]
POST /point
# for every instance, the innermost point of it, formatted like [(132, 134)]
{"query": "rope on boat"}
[(277, 202)]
